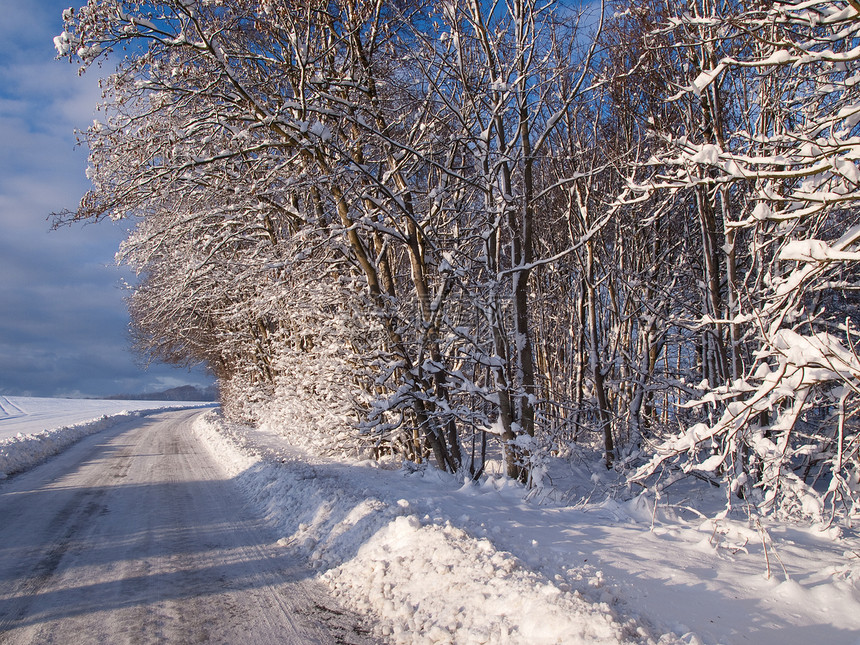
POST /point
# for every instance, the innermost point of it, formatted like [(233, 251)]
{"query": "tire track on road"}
[(138, 536)]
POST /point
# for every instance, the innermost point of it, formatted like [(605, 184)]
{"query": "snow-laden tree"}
[(394, 145), (773, 155), (228, 215), (502, 80)]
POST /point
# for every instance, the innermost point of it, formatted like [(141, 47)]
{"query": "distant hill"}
[(181, 393)]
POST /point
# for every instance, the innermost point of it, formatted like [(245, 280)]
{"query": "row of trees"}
[(632, 224)]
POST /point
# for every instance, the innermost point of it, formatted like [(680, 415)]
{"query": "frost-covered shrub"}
[(321, 362)]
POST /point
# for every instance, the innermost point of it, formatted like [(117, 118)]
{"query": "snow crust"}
[(33, 428), (437, 560)]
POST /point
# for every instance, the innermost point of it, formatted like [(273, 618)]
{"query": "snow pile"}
[(434, 560), (426, 580), (437, 584)]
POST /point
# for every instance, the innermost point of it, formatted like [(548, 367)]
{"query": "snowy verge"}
[(423, 579), (24, 451)]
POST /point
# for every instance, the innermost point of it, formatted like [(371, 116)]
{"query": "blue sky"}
[(63, 322)]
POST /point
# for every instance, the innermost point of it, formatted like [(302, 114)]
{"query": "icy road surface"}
[(135, 535)]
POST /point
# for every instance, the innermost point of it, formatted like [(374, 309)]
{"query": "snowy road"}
[(135, 535)]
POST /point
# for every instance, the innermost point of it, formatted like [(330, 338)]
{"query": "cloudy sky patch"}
[(63, 321)]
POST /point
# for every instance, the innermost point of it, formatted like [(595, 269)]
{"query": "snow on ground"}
[(439, 561), (33, 428)]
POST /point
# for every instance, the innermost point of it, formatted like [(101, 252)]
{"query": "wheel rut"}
[(144, 539)]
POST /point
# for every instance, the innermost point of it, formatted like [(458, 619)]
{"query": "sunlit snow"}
[(437, 560)]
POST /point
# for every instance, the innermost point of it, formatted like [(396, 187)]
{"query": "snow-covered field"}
[(33, 428), (435, 560)]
